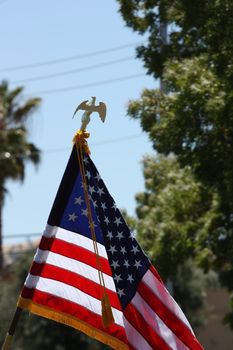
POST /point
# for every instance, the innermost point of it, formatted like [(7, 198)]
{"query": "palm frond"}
[(15, 150), (33, 154), (23, 112)]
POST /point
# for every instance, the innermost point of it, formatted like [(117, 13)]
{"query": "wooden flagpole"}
[(9, 336)]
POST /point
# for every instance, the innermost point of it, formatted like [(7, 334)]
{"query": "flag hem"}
[(72, 322)]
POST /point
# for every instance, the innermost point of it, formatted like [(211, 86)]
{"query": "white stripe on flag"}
[(161, 292), (134, 337), (157, 324), (74, 238), (87, 271), (63, 290)]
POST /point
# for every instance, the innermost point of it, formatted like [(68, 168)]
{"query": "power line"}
[(49, 76), (99, 143), (97, 83), (70, 58)]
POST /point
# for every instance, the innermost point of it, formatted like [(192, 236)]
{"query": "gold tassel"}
[(107, 315), (80, 140)]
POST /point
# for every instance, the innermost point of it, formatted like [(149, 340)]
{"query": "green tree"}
[(173, 215), (194, 120), (34, 332), (15, 149)]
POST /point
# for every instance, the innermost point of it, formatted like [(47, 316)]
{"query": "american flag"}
[(63, 282)]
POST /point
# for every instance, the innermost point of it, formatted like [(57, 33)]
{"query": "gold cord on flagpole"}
[(82, 146)]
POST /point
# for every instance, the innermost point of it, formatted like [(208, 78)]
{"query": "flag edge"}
[(75, 323)]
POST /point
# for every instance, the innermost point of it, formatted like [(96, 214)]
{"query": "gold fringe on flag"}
[(72, 322)]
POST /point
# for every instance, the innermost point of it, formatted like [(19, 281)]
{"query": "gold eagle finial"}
[(90, 108)]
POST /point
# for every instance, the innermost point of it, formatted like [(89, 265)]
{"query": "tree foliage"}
[(173, 215), (195, 28), (15, 148), (193, 120)]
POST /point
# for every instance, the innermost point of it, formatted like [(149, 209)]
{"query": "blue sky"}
[(33, 32)]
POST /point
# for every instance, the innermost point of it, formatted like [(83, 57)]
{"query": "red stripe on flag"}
[(70, 308), (170, 319), (138, 322), (155, 273), (74, 252), (73, 279)]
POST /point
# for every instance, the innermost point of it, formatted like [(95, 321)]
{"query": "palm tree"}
[(15, 150)]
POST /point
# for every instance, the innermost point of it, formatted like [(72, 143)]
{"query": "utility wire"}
[(70, 58), (49, 76), (57, 150), (97, 83), (99, 143)]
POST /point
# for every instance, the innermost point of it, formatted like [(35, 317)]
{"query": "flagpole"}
[(9, 336)]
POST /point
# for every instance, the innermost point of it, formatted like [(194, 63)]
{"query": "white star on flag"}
[(85, 212), (120, 292), (130, 278), (85, 159), (95, 204), (97, 177), (112, 249), (88, 175), (137, 264), (126, 263), (106, 220), (103, 206), (109, 235), (117, 278), (135, 249), (117, 221), (72, 217), (100, 191), (78, 200), (114, 206), (115, 264), (123, 250), (91, 189)]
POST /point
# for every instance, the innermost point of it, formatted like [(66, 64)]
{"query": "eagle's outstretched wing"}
[(84, 106), (101, 109)]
